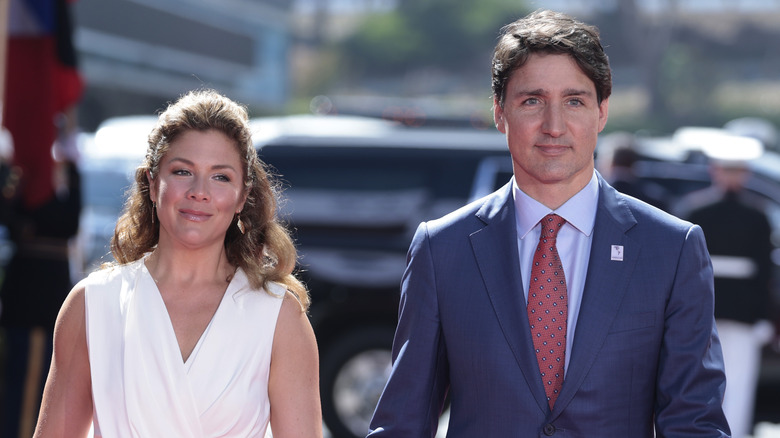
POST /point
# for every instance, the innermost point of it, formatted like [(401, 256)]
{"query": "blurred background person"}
[(738, 236), (41, 199), (622, 174), (36, 281)]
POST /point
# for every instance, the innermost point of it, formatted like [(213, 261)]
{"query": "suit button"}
[(549, 429)]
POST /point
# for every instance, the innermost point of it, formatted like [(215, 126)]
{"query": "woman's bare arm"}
[(293, 386), (66, 410)]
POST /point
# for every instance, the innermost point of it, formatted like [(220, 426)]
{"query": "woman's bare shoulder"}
[(293, 326), (72, 312)]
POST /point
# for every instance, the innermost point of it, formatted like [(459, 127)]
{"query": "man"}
[(633, 290), (622, 173), (739, 241)]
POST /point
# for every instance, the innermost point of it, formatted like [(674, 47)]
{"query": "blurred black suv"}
[(356, 190)]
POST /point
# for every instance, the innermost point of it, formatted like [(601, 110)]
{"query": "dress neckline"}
[(169, 322)]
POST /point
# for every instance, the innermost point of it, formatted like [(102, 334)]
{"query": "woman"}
[(199, 328)]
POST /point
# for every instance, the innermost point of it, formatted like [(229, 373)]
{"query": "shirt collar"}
[(579, 211)]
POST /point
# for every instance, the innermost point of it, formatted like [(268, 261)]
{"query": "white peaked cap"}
[(720, 145)]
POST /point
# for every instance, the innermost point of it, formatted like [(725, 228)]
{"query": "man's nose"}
[(554, 123)]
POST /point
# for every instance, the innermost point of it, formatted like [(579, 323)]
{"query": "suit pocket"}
[(633, 321)]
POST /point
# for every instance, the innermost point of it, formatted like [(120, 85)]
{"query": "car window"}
[(369, 196), (104, 188)]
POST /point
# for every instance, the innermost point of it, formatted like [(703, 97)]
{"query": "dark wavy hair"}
[(265, 252), (547, 31)]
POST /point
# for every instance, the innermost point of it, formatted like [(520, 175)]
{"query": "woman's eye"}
[(182, 172), (221, 177)]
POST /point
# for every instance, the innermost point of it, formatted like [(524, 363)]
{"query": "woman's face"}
[(198, 190)]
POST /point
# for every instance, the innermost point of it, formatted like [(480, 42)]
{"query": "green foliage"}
[(444, 34), (385, 41), (688, 81)]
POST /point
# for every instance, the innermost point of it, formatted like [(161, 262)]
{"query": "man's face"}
[(551, 118), (730, 178)]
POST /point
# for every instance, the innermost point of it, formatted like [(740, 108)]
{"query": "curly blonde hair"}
[(265, 251)]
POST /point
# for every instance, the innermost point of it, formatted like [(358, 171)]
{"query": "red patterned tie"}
[(548, 308)]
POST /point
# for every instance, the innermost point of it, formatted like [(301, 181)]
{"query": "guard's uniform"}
[(738, 238)]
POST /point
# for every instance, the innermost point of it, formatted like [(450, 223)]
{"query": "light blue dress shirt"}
[(573, 242)]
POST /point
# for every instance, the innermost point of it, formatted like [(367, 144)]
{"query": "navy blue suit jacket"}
[(645, 353)]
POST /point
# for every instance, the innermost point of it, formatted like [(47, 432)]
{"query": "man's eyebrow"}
[(566, 92), (536, 92), (577, 92)]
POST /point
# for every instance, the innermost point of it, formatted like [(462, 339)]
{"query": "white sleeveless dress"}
[(141, 388)]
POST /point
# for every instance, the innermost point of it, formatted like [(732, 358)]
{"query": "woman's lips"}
[(195, 215)]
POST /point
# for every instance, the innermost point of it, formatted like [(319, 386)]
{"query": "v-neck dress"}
[(142, 388)]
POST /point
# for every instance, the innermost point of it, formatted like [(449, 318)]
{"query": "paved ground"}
[(766, 430)]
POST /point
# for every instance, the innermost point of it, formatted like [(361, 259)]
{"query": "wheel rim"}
[(357, 388)]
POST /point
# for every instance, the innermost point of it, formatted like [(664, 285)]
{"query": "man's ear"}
[(603, 114), (498, 116)]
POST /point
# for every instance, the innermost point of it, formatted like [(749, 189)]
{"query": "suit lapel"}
[(495, 250), (605, 286)]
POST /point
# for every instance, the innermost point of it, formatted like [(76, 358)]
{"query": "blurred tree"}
[(676, 57), (319, 22), (687, 79), (440, 34), (637, 43), (648, 42), (673, 54), (385, 43)]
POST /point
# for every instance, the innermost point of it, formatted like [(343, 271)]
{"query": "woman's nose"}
[(199, 189)]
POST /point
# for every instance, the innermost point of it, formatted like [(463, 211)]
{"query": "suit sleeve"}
[(691, 380), (413, 398)]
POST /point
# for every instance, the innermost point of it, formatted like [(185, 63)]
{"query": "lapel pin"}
[(617, 253)]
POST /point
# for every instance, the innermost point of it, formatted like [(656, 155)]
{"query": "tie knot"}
[(551, 224)]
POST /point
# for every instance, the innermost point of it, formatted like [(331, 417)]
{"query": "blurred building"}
[(136, 55)]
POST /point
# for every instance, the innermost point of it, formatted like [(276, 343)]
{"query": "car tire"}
[(354, 370)]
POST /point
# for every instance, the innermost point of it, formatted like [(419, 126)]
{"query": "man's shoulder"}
[(647, 215), (472, 214)]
